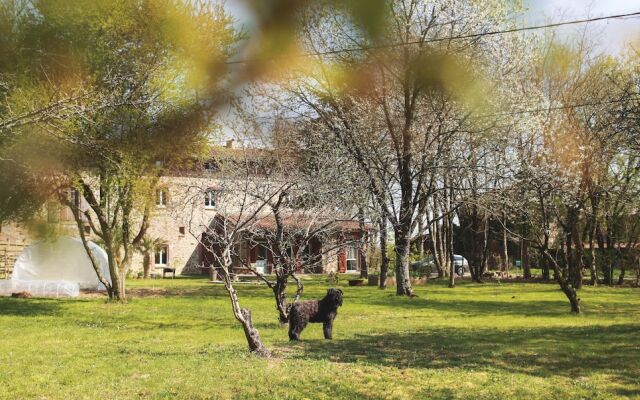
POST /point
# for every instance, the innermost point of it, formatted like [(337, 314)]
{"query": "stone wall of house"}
[(177, 224)]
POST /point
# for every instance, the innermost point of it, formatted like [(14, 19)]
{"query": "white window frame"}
[(352, 257), (210, 199), (161, 197), (161, 254)]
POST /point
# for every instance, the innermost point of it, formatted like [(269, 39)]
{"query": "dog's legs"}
[(294, 334), (327, 328), (296, 326)]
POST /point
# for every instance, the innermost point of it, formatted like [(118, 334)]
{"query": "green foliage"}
[(106, 87), (178, 339), (333, 278)]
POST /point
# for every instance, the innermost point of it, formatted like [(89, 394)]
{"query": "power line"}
[(559, 108), (504, 113), (457, 37)]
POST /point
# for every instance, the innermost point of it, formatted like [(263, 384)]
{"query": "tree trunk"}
[(403, 279), (243, 315), (476, 257), (420, 242), (280, 294), (120, 294), (364, 268), (574, 248), (545, 268), (117, 283), (452, 272), (146, 264), (485, 248), (364, 271), (524, 259), (444, 252), (94, 263), (117, 288), (435, 252), (592, 260), (384, 259), (505, 246), (604, 266), (622, 273), (565, 284), (253, 336)]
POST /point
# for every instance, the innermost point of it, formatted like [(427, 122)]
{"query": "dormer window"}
[(161, 197)]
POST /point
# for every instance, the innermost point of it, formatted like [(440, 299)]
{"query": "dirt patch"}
[(92, 294), (143, 292), (21, 295), (147, 292)]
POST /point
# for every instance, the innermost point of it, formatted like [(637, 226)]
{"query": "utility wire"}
[(559, 108), (503, 113), (457, 37)]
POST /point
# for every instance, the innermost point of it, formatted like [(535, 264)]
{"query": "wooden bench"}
[(167, 269)]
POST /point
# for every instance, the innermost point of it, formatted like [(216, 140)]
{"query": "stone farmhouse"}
[(174, 228)]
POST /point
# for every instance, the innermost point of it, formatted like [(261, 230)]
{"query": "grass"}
[(178, 340)]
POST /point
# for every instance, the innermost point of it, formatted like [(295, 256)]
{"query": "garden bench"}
[(167, 269)]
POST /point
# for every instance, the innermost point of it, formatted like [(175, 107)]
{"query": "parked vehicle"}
[(460, 264)]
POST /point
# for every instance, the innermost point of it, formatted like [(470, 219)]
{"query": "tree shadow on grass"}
[(28, 307), (541, 352), (205, 290), (545, 308)]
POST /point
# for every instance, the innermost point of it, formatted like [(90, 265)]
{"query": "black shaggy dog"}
[(324, 311)]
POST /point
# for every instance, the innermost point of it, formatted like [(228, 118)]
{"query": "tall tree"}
[(399, 103), (111, 92)]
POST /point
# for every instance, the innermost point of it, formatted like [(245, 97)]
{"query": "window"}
[(262, 252), (53, 212), (210, 198), (87, 229), (312, 257), (161, 255), (352, 259), (181, 230), (210, 166), (161, 197), (74, 198)]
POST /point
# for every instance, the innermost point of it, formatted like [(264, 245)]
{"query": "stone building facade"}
[(184, 206)]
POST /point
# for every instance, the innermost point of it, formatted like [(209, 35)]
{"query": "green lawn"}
[(179, 340)]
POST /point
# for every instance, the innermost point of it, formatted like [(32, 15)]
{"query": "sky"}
[(612, 35)]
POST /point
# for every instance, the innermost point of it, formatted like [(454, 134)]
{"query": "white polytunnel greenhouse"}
[(58, 268)]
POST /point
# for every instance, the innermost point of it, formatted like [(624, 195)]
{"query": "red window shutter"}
[(342, 260)]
